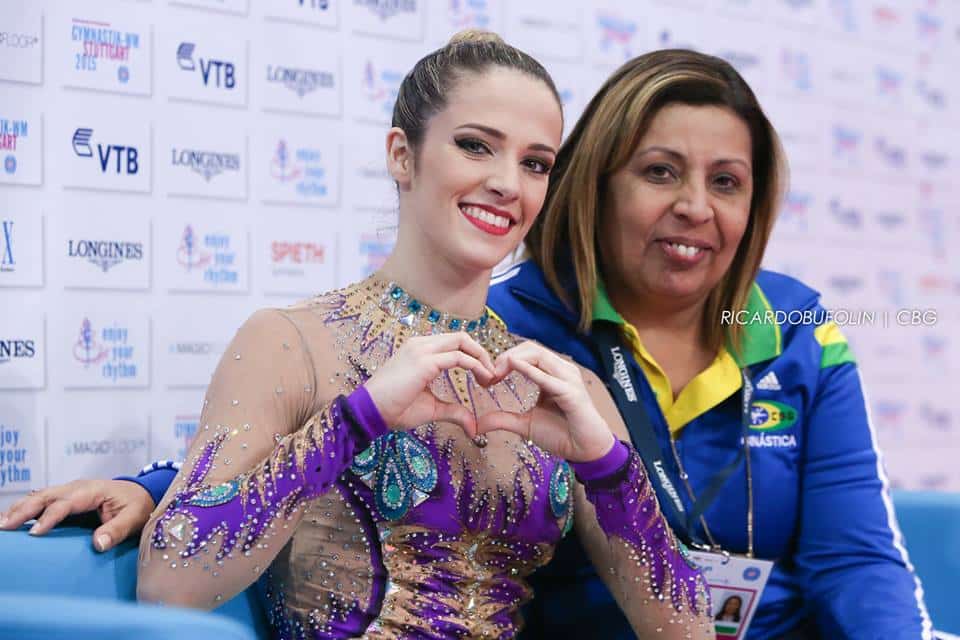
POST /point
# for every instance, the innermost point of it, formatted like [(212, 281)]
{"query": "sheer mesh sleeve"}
[(635, 552), (269, 441)]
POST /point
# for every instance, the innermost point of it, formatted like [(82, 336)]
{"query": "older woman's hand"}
[(123, 507)]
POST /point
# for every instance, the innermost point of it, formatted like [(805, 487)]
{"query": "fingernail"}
[(3, 520), (103, 541), (34, 528)]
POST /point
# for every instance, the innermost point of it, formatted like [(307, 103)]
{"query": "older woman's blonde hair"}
[(564, 240)]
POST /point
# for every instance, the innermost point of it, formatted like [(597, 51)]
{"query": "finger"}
[(546, 359), (118, 528), (457, 414), (518, 423), (451, 359), (463, 342), (547, 382), (51, 516), (25, 509)]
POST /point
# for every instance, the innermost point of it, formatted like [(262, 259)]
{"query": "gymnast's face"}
[(675, 214), (480, 174)]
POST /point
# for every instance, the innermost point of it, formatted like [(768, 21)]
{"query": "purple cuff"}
[(365, 414), (604, 467)]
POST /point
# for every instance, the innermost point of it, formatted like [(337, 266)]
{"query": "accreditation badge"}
[(736, 584)]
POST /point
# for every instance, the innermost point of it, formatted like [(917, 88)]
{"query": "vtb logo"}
[(219, 73), (125, 159)]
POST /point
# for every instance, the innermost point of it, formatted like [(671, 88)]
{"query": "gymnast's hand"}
[(565, 422), (400, 386), (123, 506)]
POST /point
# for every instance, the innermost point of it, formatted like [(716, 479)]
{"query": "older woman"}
[(659, 210)]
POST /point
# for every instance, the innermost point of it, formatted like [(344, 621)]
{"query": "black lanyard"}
[(617, 359)]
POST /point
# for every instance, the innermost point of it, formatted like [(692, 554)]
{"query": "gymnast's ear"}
[(400, 161)]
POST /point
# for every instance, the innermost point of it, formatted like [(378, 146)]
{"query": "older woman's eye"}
[(472, 145), (726, 182), (660, 172)]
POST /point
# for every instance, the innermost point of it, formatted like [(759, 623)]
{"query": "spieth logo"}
[(7, 263), (886, 16), (303, 167), (473, 14), (616, 34), (217, 73), (105, 254), (207, 163), (10, 349), (381, 87), (386, 9), (296, 252), (97, 41), (795, 66), (189, 255), (87, 350), (125, 158), (892, 155), (849, 217), (11, 131), (299, 81)]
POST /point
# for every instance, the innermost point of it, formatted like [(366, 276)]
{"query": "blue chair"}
[(58, 586), (930, 522)]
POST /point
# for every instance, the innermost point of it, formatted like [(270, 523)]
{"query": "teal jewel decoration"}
[(411, 311), (560, 489), (217, 495), (400, 470), (685, 554)]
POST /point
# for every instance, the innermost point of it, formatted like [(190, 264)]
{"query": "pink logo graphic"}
[(189, 255), (281, 167), (86, 349)]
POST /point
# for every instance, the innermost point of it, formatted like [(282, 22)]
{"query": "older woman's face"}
[(675, 214)]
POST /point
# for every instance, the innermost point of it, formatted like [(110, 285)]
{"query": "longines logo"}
[(105, 254), (299, 81), (208, 164)]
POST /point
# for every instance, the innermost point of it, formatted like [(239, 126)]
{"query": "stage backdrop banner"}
[(167, 167)]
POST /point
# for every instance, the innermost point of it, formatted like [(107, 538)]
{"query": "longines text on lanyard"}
[(626, 393)]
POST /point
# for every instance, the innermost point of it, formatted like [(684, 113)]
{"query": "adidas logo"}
[(769, 382)]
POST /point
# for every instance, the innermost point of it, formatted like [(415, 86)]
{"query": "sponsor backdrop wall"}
[(170, 166)]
